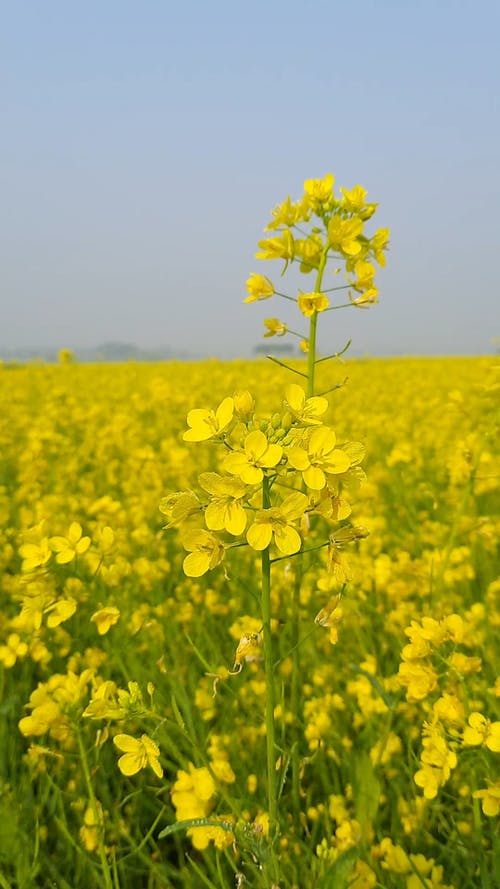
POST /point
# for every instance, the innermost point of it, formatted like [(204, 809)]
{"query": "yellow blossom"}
[(105, 618), (319, 192), (179, 506), (307, 411), (320, 460), (60, 611), (138, 753), (205, 552), (279, 247), (276, 522), (490, 799), (35, 555), (206, 424), (225, 510), (355, 202), (309, 303), (481, 731), (343, 235), (259, 287), (67, 548), (258, 454), (15, 648), (275, 327)]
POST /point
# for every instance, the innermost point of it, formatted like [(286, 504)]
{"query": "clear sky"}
[(143, 146)]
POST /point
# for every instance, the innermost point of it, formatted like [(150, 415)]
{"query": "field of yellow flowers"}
[(133, 724)]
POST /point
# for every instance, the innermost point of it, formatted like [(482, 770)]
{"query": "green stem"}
[(95, 810), (295, 690), (272, 784), (311, 366)]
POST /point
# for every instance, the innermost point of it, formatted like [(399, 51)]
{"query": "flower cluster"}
[(317, 227), (292, 452)]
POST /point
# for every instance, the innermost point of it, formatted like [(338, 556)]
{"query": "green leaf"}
[(366, 791)]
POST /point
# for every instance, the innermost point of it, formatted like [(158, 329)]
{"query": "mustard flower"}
[(481, 731), (343, 235), (354, 201), (276, 522), (105, 618), (205, 552), (60, 611), (319, 192), (309, 303), (138, 754), (14, 649), (35, 555), (257, 455), (275, 327), (244, 404), (104, 703), (209, 424), (178, 507), (306, 410), (490, 799), (419, 678), (67, 548), (279, 247), (225, 510), (259, 287), (288, 213), (379, 243), (320, 460)]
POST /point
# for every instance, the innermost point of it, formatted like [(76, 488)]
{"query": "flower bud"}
[(244, 404)]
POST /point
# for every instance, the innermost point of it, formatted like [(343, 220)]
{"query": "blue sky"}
[(144, 144)]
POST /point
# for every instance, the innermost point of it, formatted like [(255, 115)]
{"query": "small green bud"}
[(276, 421), (287, 420)]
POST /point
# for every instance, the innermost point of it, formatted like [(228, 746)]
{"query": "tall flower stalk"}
[(281, 469)]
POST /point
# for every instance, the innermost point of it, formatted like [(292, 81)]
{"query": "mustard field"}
[(132, 656)]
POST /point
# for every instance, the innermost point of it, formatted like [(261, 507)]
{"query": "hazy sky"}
[(143, 146)]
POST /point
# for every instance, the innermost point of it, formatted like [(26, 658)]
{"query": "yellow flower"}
[(365, 275), (319, 192), (490, 797), (60, 611), (35, 555), (209, 424), (309, 251), (225, 510), (13, 650), (343, 235), (137, 754), (205, 552), (355, 202), (379, 243), (275, 327), (481, 731), (288, 214), (178, 507), (275, 521), (259, 287), (279, 247), (309, 303), (67, 548), (105, 618), (257, 455), (306, 410), (321, 459), (419, 678)]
